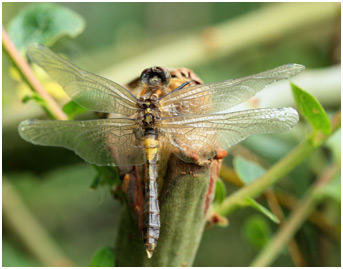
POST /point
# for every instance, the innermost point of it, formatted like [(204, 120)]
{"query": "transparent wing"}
[(88, 90), (198, 138), (220, 96), (108, 142)]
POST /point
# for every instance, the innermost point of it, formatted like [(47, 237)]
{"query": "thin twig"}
[(297, 217), (285, 199), (229, 37), (229, 175), (317, 217), (277, 171), (293, 248), (30, 231), (23, 67)]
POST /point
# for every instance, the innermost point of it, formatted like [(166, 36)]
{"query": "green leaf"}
[(107, 175), (257, 231), (35, 97), (220, 191), (251, 202), (247, 171), (44, 23), (72, 109), (104, 257), (312, 110)]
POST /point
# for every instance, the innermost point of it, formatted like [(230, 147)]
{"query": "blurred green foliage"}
[(246, 170), (104, 257), (220, 191), (72, 109), (12, 257), (257, 231), (44, 23), (332, 190), (79, 219), (106, 176), (55, 186)]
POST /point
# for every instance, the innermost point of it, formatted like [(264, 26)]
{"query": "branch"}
[(317, 217), (29, 230), (280, 169), (51, 106), (293, 248), (285, 199), (297, 217), (229, 37)]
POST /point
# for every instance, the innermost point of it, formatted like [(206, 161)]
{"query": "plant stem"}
[(51, 106), (30, 231), (317, 217), (277, 171), (285, 199), (186, 193), (229, 37), (297, 217), (293, 248)]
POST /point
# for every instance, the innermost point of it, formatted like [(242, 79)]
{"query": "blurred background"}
[(49, 211)]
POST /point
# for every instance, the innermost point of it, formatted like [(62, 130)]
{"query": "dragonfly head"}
[(155, 78)]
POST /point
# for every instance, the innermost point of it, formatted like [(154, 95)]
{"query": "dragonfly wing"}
[(220, 96), (88, 90), (108, 142), (198, 138)]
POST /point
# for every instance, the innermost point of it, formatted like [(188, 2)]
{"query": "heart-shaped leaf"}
[(44, 23)]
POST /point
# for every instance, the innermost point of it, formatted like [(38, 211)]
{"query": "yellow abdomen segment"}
[(151, 148)]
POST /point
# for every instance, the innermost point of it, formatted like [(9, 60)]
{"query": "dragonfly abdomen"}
[(151, 213)]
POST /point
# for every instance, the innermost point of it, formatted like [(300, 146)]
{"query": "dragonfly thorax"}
[(149, 113)]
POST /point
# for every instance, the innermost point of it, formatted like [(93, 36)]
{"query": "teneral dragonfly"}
[(188, 120)]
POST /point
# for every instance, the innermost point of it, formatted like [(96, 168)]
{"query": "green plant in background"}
[(257, 231), (44, 23), (104, 257), (256, 180)]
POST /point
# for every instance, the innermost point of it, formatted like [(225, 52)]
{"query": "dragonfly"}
[(190, 120)]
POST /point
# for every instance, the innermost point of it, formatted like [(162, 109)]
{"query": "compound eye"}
[(155, 76), (145, 76), (164, 74)]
